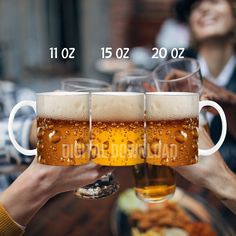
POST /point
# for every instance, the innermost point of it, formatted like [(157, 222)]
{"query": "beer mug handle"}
[(208, 152), (10, 127)]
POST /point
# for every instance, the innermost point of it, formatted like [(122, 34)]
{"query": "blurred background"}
[(28, 28)]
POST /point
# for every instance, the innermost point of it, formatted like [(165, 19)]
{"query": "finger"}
[(91, 165)]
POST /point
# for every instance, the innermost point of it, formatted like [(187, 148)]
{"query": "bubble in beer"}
[(81, 147), (155, 145), (40, 132), (195, 133), (67, 132), (55, 136), (141, 152), (129, 145), (50, 127), (181, 136), (106, 145), (70, 161), (94, 152), (194, 146), (132, 126), (113, 124), (40, 146)]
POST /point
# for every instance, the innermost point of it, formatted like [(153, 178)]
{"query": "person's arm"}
[(212, 173), (226, 99), (34, 187)]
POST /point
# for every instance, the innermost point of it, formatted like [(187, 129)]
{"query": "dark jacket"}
[(228, 149)]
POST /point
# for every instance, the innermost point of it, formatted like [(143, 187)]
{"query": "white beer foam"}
[(117, 106), (171, 105), (63, 105)]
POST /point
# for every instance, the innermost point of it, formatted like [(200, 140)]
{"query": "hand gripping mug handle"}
[(10, 127), (208, 152)]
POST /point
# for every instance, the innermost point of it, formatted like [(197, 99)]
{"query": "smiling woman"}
[(213, 33), (211, 18)]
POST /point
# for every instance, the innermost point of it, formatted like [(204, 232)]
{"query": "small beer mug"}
[(62, 128)]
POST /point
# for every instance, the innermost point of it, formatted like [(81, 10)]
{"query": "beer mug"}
[(117, 128), (152, 183), (63, 130), (172, 128), (107, 184)]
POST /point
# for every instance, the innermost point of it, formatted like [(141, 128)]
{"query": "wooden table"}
[(66, 215)]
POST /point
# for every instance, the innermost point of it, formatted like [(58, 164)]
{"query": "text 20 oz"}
[(163, 53)]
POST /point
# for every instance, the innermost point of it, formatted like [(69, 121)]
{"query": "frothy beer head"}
[(63, 105), (117, 106), (171, 105)]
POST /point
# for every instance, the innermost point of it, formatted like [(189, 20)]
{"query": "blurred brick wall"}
[(136, 22)]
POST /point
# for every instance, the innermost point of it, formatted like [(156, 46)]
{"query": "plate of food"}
[(184, 215)]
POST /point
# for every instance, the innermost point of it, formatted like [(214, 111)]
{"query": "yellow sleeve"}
[(8, 227)]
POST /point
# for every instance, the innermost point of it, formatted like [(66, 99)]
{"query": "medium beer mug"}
[(172, 128), (117, 128), (62, 128), (106, 185)]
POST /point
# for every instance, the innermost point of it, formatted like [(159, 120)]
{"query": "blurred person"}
[(35, 186), (24, 127), (213, 32), (174, 32), (212, 173)]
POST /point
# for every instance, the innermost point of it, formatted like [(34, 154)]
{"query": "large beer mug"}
[(62, 128), (152, 183), (172, 128), (117, 128)]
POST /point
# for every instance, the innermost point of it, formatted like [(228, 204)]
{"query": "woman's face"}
[(211, 18)]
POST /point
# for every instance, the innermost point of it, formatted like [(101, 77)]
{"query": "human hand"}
[(58, 179), (212, 173), (180, 81), (38, 183), (226, 99), (218, 94), (207, 168)]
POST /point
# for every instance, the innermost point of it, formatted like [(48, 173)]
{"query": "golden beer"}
[(154, 183), (63, 129), (172, 142), (172, 129), (117, 129)]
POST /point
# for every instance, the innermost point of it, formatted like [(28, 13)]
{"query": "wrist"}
[(38, 179), (25, 196)]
